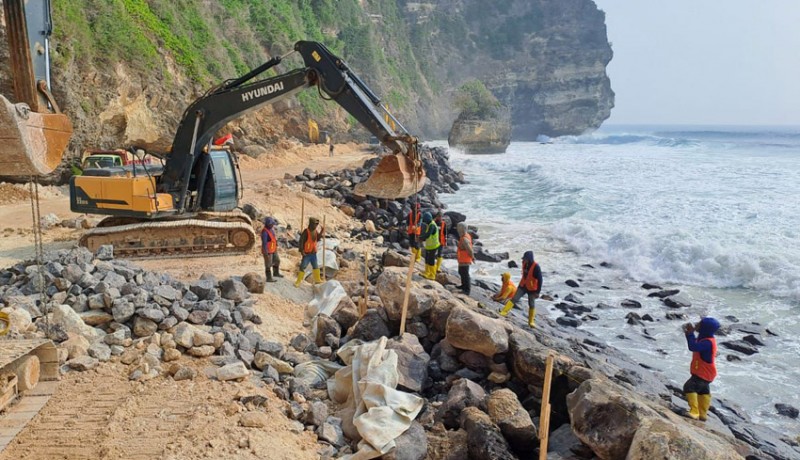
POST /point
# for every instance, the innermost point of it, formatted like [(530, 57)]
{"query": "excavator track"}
[(208, 234)]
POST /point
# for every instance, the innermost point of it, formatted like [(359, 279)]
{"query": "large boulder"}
[(371, 326), (233, 290), (65, 316), (659, 438), (513, 420), (484, 439), (481, 136), (412, 361), (606, 417), (391, 286), (346, 313), (469, 330), (464, 393)]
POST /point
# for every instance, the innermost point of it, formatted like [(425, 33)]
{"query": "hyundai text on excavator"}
[(191, 208)]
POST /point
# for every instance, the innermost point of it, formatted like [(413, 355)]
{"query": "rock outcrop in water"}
[(480, 136)]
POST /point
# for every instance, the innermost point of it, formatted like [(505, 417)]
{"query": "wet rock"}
[(629, 303), (787, 411), (664, 293), (649, 286), (469, 330), (484, 439), (677, 302), (568, 321), (676, 316), (572, 283), (741, 346), (514, 422), (753, 339)]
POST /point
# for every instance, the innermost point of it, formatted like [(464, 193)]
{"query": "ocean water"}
[(714, 212)]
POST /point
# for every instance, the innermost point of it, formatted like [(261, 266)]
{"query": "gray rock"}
[(233, 371), (317, 413), (198, 317), (233, 290), (326, 325), (83, 363), (390, 286), (106, 252), (254, 282), (411, 445), (204, 289), (469, 330), (184, 373), (122, 310), (371, 326), (787, 410), (153, 314), (100, 351), (484, 439), (331, 431), (412, 362), (514, 422), (346, 313), (115, 338), (463, 393), (144, 327)]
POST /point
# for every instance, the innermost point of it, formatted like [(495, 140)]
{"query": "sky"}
[(704, 62)]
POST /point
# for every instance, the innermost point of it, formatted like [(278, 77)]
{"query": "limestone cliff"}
[(480, 136)]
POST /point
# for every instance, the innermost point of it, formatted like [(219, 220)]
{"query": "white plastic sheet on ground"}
[(368, 385), (331, 262), (326, 298)]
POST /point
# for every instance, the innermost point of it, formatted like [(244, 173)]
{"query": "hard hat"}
[(506, 276)]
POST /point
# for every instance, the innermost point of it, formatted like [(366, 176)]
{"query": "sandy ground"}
[(101, 414)]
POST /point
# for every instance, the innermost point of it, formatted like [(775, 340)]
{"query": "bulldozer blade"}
[(31, 143), (395, 177)]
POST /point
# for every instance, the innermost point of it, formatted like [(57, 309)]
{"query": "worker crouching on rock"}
[(269, 249), (465, 256), (531, 284), (430, 237), (308, 249), (703, 367), (507, 289)]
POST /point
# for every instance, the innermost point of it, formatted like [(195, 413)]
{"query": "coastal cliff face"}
[(124, 71), (544, 59)]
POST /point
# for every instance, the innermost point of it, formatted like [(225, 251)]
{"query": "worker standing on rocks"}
[(413, 231), (531, 284), (442, 241), (269, 249), (430, 236), (703, 367), (507, 289), (308, 249), (464, 255)]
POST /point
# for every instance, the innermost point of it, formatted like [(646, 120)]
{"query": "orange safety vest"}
[(311, 244), (702, 369), (413, 224), (508, 290), (272, 244), (529, 281), (462, 254), (443, 233)]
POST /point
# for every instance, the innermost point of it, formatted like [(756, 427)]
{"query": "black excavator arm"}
[(186, 167)]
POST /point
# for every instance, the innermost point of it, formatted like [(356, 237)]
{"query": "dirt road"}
[(101, 414)]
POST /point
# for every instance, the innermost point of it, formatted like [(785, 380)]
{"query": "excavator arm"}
[(186, 169)]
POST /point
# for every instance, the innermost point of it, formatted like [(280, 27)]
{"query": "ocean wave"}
[(623, 139), (681, 258)]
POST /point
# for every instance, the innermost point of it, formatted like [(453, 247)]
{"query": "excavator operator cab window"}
[(220, 193)]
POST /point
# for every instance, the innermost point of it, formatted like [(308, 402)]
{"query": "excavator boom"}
[(33, 134)]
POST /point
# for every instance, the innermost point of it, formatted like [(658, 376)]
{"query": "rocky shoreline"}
[(477, 378)]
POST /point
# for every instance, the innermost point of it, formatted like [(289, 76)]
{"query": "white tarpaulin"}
[(326, 298), (368, 385), (331, 262)]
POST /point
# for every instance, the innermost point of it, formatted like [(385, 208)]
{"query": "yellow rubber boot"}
[(437, 266), (507, 308), (300, 276), (317, 278), (703, 403), (429, 272), (694, 411), (417, 254), (531, 317)]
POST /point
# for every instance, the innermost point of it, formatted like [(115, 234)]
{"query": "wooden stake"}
[(324, 237), (544, 416), (406, 296), (362, 308), (302, 216)]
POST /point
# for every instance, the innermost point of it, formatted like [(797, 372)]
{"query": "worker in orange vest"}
[(465, 256), (413, 230), (703, 367), (531, 284), (507, 289), (442, 241), (308, 249), (269, 249)]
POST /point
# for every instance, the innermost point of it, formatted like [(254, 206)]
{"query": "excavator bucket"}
[(31, 143), (395, 177)]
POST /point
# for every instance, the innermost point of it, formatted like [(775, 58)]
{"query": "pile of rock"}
[(482, 376), (99, 307), (388, 218)]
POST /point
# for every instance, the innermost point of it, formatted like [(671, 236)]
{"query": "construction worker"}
[(442, 241), (703, 367), (413, 231), (464, 255), (531, 284), (308, 249), (430, 238), (269, 249), (330, 151), (507, 289)]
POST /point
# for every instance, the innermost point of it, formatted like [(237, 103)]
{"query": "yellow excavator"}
[(33, 131), (190, 207)]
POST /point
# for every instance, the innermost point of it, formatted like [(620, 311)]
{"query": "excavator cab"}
[(33, 132)]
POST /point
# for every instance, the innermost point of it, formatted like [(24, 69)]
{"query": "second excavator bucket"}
[(396, 176), (31, 143)]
